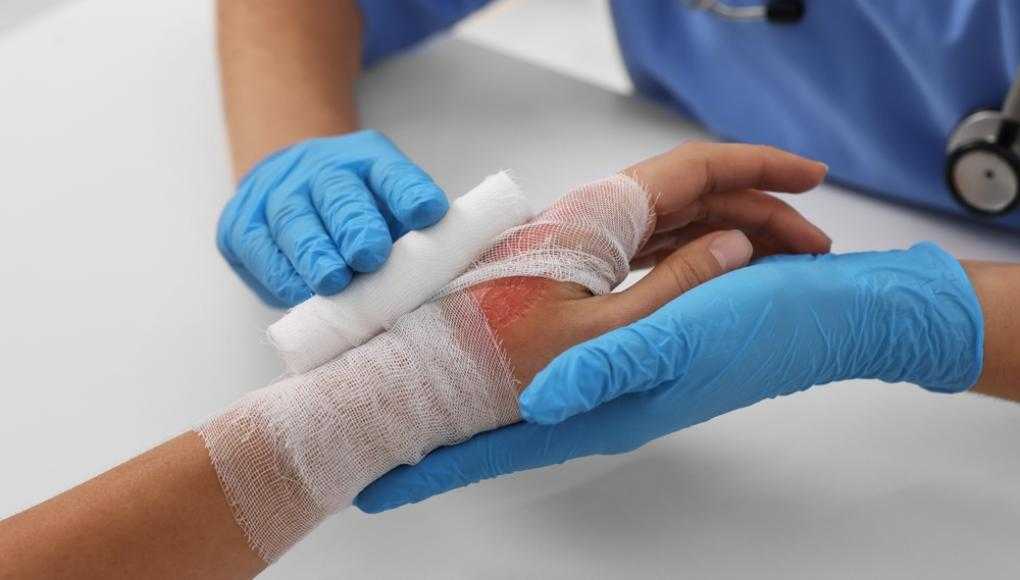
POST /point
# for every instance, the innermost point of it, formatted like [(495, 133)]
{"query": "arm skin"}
[(288, 69), (159, 515), (996, 285)]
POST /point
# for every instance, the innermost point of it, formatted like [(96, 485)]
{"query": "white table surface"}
[(123, 326)]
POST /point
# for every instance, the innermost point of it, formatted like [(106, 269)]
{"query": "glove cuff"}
[(957, 331)]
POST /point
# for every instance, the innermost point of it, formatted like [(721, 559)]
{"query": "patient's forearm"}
[(289, 455), (159, 515), (998, 289)]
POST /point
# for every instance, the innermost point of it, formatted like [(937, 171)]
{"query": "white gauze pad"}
[(421, 263), (290, 454)]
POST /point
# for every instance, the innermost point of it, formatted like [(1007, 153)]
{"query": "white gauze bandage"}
[(292, 453), (421, 263)]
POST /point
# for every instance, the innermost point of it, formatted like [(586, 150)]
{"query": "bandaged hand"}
[(291, 454)]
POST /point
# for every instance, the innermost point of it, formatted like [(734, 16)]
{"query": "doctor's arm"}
[(287, 71), (996, 286), (774, 328), (318, 201)]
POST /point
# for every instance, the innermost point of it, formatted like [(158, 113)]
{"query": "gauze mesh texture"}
[(421, 263), (292, 453), (587, 237)]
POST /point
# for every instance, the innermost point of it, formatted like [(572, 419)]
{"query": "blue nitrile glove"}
[(306, 218), (770, 329)]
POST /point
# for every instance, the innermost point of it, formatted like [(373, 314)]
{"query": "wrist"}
[(995, 285), (255, 166), (932, 326)]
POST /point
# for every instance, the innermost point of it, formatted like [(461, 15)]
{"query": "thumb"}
[(691, 265), (630, 359)]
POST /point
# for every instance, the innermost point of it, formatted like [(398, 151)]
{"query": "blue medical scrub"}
[(871, 87)]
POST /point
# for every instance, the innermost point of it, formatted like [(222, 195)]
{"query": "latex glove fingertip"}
[(427, 211)]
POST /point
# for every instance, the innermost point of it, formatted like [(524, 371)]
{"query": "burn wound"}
[(506, 300)]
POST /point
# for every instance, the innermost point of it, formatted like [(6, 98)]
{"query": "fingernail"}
[(731, 249), (827, 237)]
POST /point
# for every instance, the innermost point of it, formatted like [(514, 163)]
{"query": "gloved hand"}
[(773, 328), (306, 218)]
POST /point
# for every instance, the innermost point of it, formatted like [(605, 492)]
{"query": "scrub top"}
[(871, 87)]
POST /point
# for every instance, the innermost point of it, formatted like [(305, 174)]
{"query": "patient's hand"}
[(701, 195), (293, 453), (702, 192)]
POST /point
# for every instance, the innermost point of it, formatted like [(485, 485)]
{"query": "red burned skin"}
[(573, 225), (532, 316), (506, 300)]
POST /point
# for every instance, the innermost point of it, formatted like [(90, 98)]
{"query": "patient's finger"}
[(698, 169), (660, 246), (693, 264), (758, 214)]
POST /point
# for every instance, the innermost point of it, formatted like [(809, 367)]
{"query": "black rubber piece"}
[(785, 11)]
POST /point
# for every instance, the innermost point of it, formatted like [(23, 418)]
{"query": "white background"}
[(123, 326)]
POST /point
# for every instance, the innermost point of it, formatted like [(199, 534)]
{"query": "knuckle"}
[(685, 272), (286, 214), (363, 222), (335, 207), (402, 177), (313, 252), (699, 212), (255, 247), (691, 147), (386, 167), (402, 168), (292, 294), (708, 183), (338, 209), (773, 210), (331, 178), (697, 169)]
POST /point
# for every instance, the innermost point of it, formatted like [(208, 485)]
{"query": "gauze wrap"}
[(421, 263), (292, 453)]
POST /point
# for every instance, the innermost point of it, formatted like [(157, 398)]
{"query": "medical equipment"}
[(291, 454), (421, 263), (983, 167), (776, 11)]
